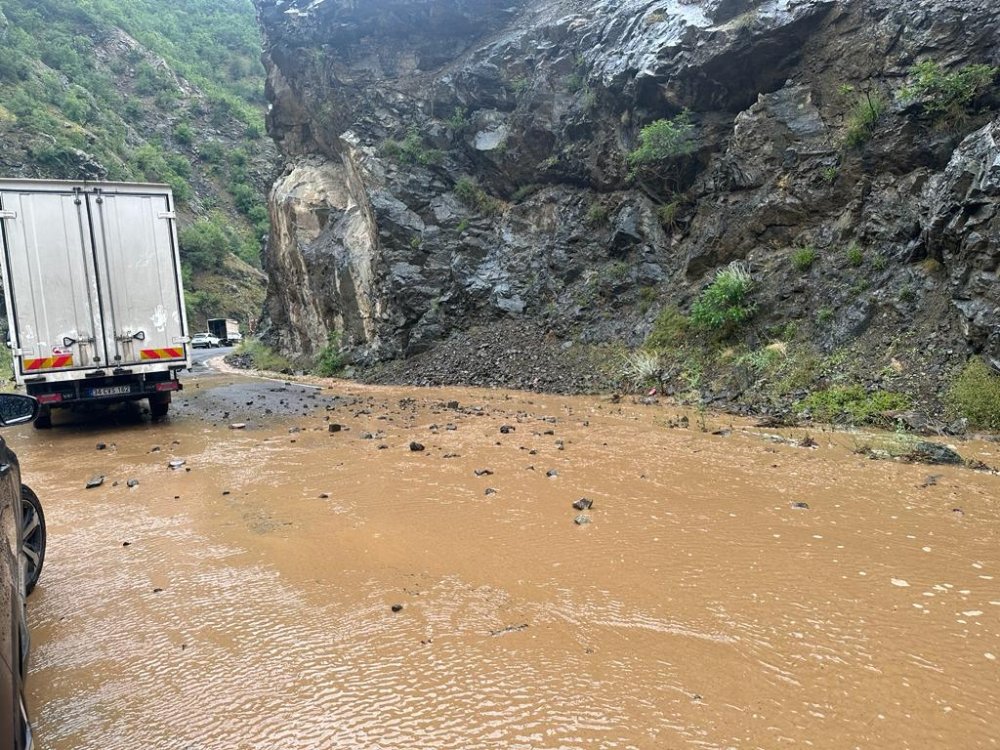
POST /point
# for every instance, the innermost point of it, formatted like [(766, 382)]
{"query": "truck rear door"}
[(139, 271), (48, 260)]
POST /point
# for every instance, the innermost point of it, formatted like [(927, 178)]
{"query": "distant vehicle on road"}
[(204, 341), (22, 552), (226, 330), (92, 280)]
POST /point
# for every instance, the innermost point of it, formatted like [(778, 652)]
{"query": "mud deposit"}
[(293, 587)]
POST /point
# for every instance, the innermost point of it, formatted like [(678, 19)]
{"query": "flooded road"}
[(294, 587)]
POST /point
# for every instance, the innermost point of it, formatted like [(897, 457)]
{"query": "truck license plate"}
[(111, 390)]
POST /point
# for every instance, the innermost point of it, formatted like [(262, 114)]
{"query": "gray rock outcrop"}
[(454, 163)]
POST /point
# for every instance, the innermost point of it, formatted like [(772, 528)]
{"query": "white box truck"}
[(92, 281)]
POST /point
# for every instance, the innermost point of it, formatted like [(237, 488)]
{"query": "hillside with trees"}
[(154, 92)]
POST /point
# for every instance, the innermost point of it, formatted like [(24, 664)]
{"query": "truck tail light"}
[(49, 398), (170, 385)]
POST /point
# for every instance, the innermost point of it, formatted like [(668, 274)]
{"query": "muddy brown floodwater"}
[(249, 602)]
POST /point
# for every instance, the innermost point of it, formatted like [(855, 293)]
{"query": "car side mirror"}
[(17, 409)]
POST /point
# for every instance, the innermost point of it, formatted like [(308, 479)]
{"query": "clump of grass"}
[(467, 190), (864, 118), (725, 304), (669, 330), (263, 357), (667, 214), (764, 359), (640, 368), (880, 262), (855, 255), (597, 215), (854, 405), (975, 395), (804, 258), (411, 150)]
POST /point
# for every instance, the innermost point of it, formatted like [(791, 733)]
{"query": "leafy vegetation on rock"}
[(864, 118), (468, 191), (663, 140), (975, 395), (329, 361), (947, 97), (724, 305)]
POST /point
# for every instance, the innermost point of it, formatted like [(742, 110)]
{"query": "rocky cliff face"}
[(461, 163)]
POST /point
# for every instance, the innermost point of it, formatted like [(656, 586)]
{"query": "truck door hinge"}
[(8, 214), (166, 215)]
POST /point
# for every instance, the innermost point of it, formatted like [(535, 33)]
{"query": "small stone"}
[(416, 447), (552, 473), (126, 544), (397, 608), (483, 472), (324, 495), (581, 520), (367, 436), (808, 442), (238, 426), (506, 429), (334, 427), (132, 483), (453, 404), (157, 590), (226, 492), (95, 481), (176, 463), (155, 449), (490, 491), (800, 506), (101, 446), (560, 445), (583, 504)]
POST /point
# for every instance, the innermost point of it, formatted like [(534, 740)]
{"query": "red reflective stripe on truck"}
[(174, 352), (48, 363)]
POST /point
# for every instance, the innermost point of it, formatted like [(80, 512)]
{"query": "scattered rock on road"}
[(581, 519), (583, 504), (416, 447), (95, 481)]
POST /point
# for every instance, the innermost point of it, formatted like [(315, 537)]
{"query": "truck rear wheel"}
[(159, 405), (44, 419)]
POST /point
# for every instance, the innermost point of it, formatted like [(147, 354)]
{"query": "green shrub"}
[(663, 140), (947, 97), (804, 258), (329, 360), (975, 395), (864, 119), (669, 330), (880, 262), (724, 305), (853, 405)]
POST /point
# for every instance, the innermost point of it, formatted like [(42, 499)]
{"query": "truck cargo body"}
[(92, 280), (226, 330)]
